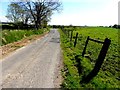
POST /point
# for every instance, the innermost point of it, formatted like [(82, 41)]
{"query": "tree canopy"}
[(38, 12)]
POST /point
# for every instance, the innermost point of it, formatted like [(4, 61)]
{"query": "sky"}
[(79, 12)]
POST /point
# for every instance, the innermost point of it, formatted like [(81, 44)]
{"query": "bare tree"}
[(41, 10)]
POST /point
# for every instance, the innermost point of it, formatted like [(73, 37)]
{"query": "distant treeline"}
[(6, 25), (63, 26), (26, 26), (16, 26), (116, 26)]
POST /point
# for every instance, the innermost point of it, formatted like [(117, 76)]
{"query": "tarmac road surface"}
[(34, 65)]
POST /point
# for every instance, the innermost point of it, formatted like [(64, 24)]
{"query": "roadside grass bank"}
[(14, 44), (77, 67), (10, 36)]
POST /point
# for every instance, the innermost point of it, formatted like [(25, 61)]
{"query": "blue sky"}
[(80, 12)]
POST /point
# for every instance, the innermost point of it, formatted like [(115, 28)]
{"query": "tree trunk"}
[(36, 25)]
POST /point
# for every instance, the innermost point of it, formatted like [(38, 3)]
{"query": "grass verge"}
[(10, 47), (10, 36), (77, 67)]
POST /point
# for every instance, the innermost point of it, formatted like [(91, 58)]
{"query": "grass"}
[(10, 36), (108, 74)]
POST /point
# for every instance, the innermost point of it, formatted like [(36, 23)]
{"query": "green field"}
[(108, 76), (9, 36)]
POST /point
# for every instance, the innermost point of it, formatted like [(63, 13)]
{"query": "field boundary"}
[(101, 56)]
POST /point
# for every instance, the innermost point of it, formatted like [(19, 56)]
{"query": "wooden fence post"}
[(71, 36), (76, 39), (68, 34), (85, 46), (64, 31), (99, 61)]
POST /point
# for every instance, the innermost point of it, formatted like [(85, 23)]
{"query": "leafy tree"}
[(17, 14), (14, 12), (39, 12)]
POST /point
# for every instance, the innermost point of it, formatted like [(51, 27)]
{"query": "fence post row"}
[(101, 56), (99, 61), (76, 39)]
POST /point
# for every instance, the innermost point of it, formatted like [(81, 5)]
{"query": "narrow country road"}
[(34, 65)]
